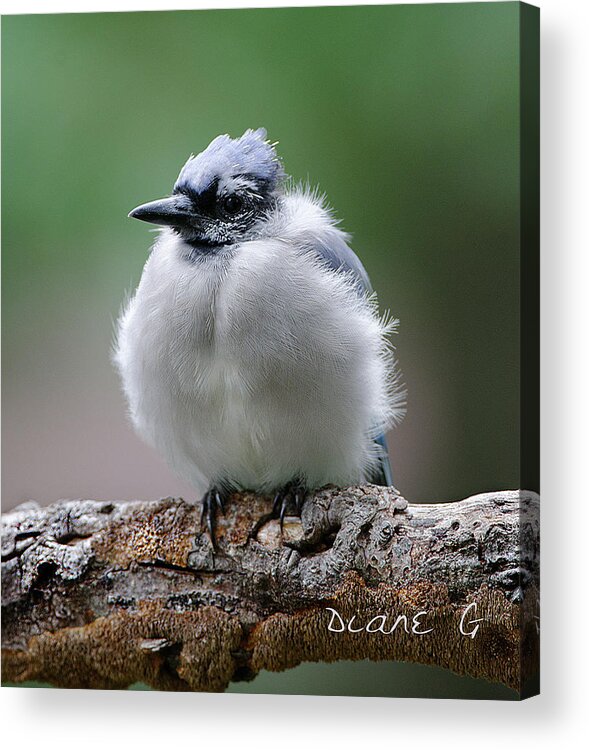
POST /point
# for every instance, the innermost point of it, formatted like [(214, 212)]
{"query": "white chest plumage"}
[(258, 364)]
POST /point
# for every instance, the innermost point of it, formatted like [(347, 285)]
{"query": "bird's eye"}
[(232, 204)]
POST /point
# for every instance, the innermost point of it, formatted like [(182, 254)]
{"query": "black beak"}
[(173, 211)]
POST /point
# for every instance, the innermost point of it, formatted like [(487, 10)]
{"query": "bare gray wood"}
[(103, 595)]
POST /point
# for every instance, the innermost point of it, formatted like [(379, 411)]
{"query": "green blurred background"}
[(407, 118)]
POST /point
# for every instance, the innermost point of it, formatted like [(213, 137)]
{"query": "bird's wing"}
[(339, 256)]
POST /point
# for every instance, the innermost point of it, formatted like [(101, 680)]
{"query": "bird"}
[(252, 353)]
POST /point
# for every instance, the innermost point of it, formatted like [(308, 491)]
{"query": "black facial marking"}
[(204, 201), (220, 217)]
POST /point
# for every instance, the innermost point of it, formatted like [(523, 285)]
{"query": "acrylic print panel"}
[(349, 477)]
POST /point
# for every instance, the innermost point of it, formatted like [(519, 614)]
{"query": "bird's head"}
[(222, 193)]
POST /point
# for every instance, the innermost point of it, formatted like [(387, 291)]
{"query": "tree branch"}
[(102, 595)]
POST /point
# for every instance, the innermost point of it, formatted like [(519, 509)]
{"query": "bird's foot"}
[(213, 502), (293, 496)]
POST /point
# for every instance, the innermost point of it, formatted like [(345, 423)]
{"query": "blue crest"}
[(251, 154)]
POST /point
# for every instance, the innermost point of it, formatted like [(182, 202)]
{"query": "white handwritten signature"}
[(468, 626)]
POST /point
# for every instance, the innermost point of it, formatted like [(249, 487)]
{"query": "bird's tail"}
[(382, 474)]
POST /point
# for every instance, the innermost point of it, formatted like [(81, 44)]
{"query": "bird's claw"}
[(292, 495), (213, 503)]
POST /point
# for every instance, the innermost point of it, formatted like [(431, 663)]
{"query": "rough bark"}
[(99, 594)]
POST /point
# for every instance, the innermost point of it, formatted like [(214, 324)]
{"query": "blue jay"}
[(252, 354)]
